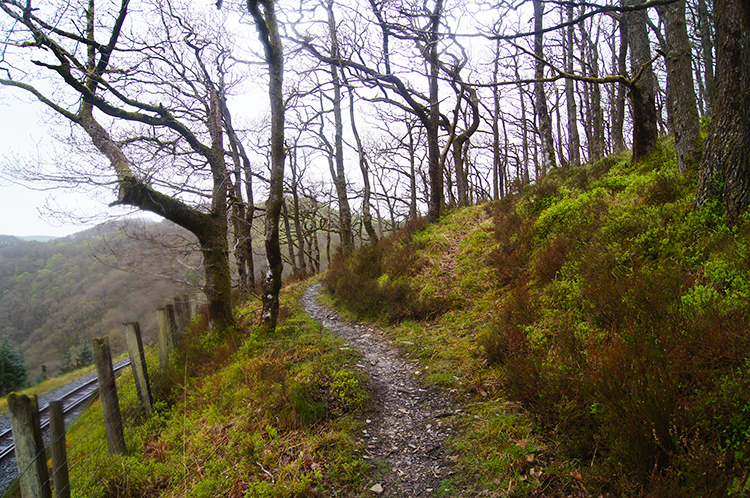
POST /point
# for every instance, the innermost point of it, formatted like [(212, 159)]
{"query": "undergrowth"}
[(243, 415), (602, 305)]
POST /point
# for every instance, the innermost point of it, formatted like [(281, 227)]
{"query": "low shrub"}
[(623, 327), (375, 283)]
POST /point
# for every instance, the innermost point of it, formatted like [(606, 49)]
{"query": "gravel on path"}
[(411, 424)]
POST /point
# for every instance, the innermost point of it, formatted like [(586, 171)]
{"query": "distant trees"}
[(13, 373), (85, 355), (72, 361), (407, 106)]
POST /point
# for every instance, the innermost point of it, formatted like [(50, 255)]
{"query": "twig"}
[(273, 481)]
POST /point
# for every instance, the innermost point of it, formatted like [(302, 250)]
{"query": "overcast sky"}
[(21, 128)]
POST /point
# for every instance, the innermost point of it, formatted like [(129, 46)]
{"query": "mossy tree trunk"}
[(268, 31), (725, 166)]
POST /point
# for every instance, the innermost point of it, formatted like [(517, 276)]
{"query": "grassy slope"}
[(242, 416), (595, 327)]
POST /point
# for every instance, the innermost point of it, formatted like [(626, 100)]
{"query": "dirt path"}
[(407, 433)]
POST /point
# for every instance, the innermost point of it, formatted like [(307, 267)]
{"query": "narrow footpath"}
[(406, 435)]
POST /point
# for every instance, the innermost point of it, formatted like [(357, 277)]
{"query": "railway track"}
[(72, 400)]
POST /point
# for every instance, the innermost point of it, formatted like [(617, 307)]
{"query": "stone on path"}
[(377, 489)]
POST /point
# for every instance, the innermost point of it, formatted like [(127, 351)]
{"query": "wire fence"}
[(90, 454), (89, 450)]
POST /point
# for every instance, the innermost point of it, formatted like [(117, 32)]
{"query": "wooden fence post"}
[(138, 364), (188, 305), (164, 338), (60, 477), (179, 313), (108, 396), (27, 436)]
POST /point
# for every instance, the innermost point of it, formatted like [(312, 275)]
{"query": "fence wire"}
[(88, 453), (87, 449)]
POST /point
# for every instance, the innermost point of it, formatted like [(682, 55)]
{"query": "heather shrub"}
[(374, 282), (623, 327), (513, 236)]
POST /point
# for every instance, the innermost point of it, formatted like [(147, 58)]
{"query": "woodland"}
[(426, 105), (544, 202), (56, 296)]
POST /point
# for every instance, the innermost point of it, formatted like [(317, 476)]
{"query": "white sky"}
[(21, 129)]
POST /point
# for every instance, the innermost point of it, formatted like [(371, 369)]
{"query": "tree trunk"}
[(412, 174), (364, 169), (497, 173), (433, 146), (524, 173), (249, 219), (725, 166), (339, 177), (642, 95), (460, 145), (270, 37), (218, 286), (545, 123), (597, 145), (618, 113), (708, 55), (297, 222), (682, 104), (242, 214), (289, 238), (574, 140)]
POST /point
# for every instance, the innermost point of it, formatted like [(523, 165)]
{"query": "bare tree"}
[(540, 99), (338, 173), (268, 32), (117, 82), (574, 142)]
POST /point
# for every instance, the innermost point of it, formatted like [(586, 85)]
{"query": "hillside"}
[(595, 326), (590, 332), (57, 295)]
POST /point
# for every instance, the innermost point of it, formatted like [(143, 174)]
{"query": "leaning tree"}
[(141, 89)]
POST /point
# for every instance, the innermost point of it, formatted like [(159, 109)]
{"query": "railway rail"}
[(72, 400)]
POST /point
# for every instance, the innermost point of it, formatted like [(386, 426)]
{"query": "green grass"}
[(596, 316), (269, 416)]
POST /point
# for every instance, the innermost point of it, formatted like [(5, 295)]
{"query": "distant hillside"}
[(8, 240), (59, 293)]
